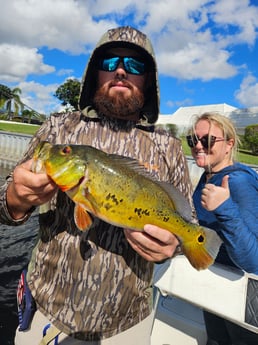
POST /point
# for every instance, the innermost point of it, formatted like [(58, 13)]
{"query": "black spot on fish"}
[(146, 212), (140, 212), (107, 206), (113, 198)]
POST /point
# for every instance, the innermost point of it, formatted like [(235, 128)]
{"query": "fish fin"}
[(202, 251), (82, 218), (182, 205), (133, 164)]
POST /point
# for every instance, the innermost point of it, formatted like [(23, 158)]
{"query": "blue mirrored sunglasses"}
[(131, 65)]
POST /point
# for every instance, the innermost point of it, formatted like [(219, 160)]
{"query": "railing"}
[(12, 147)]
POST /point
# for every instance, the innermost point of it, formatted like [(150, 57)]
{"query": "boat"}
[(182, 293)]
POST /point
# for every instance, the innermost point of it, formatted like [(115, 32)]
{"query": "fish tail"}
[(202, 251)]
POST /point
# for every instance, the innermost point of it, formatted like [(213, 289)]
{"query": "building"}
[(183, 117)]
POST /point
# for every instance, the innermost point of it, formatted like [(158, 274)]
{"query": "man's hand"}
[(213, 196), (28, 189), (153, 243)]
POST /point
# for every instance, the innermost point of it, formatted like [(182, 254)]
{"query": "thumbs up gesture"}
[(213, 196)]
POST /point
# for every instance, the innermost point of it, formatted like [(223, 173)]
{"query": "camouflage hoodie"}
[(93, 285)]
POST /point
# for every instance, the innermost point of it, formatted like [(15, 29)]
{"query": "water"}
[(16, 244)]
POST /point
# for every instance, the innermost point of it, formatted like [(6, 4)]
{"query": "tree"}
[(5, 93), (31, 116), (10, 100), (251, 138), (14, 102), (69, 93)]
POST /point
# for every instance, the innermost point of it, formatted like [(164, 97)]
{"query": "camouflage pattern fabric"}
[(93, 285)]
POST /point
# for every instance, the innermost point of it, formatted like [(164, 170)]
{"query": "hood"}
[(130, 38)]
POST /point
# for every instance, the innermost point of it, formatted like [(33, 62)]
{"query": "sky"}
[(207, 51)]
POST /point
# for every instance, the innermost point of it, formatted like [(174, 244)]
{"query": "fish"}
[(119, 191)]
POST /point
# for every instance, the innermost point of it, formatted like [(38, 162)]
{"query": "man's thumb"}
[(224, 182)]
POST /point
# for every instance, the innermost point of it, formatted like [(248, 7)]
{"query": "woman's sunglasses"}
[(207, 140), (131, 65)]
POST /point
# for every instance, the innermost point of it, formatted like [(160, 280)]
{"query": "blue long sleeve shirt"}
[(236, 219)]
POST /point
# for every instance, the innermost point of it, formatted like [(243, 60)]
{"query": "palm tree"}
[(5, 92), (10, 99), (32, 116), (15, 102)]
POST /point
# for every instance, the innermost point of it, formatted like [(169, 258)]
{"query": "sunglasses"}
[(207, 140), (131, 65)]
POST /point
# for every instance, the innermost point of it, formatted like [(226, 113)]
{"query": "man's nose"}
[(120, 70)]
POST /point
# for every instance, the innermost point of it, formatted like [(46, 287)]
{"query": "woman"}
[(226, 201)]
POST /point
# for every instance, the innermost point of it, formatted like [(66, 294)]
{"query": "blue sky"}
[(207, 51)]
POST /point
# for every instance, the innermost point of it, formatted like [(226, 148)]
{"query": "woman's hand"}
[(213, 196)]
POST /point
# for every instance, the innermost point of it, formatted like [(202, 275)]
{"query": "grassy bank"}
[(23, 128), (15, 127)]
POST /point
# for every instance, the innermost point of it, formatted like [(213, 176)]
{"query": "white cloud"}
[(184, 103), (39, 97), (75, 26), (247, 95), (63, 24), (64, 72), (239, 18), (17, 62), (197, 62), (193, 39)]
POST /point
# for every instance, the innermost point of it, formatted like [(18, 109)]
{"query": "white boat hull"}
[(183, 292)]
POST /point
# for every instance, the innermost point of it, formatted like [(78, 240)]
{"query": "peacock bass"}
[(117, 190)]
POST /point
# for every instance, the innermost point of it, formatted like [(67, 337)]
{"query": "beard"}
[(118, 110)]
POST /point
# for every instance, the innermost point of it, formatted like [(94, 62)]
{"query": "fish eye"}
[(200, 239), (66, 150)]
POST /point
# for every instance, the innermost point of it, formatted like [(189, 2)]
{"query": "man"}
[(95, 287)]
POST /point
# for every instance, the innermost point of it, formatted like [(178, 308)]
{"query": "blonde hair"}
[(225, 124)]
